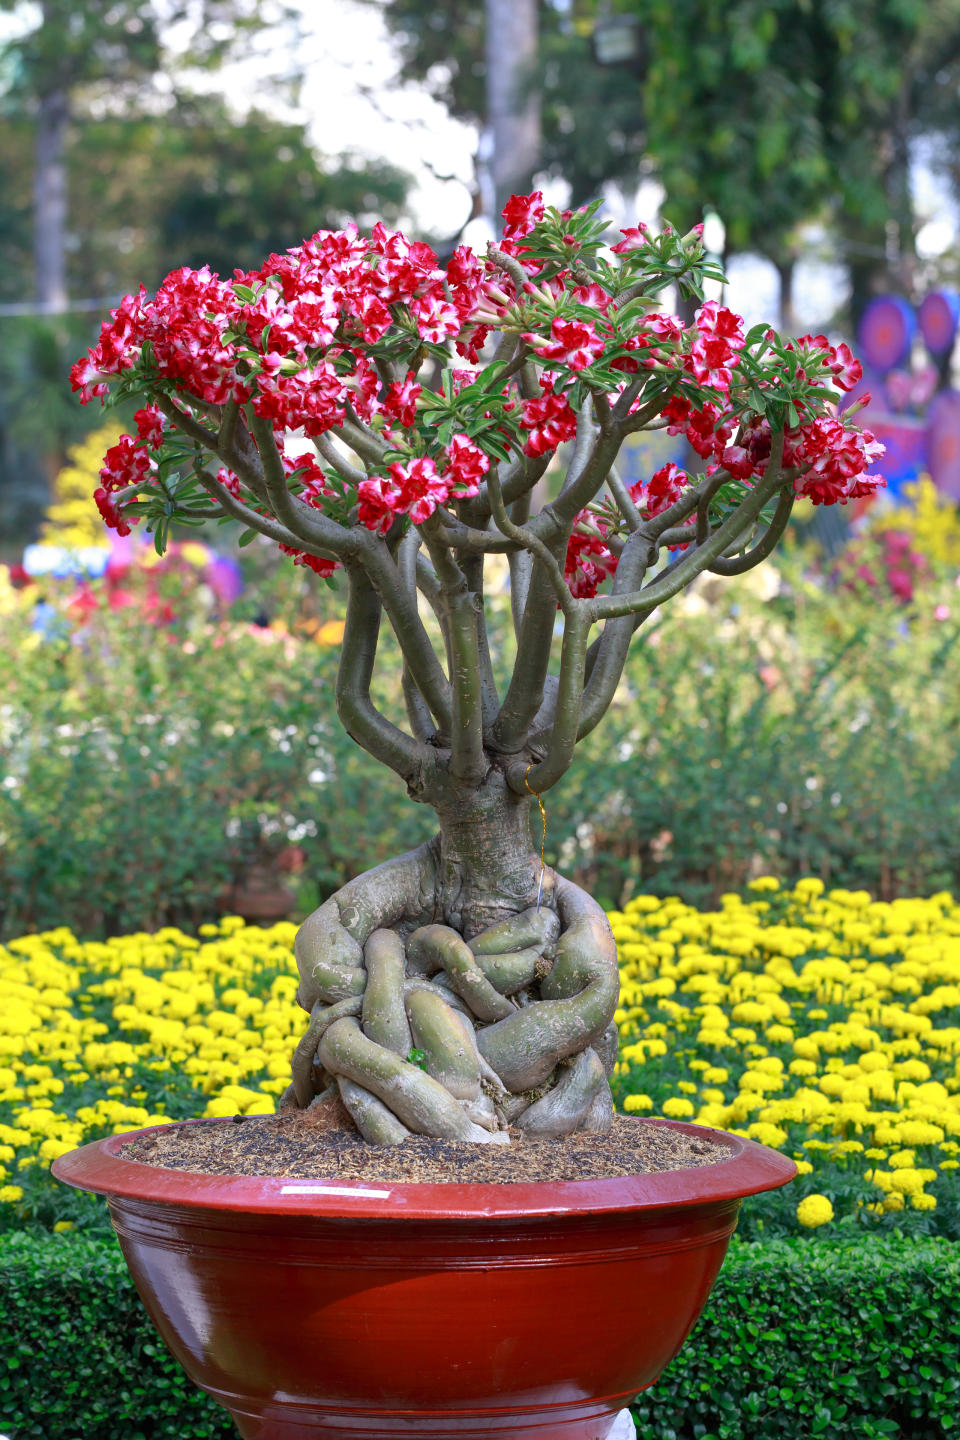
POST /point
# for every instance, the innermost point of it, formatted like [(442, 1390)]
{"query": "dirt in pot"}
[(320, 1143)]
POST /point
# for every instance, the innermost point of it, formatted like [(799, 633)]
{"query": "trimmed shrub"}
[(79, 1358), (828, 1341)]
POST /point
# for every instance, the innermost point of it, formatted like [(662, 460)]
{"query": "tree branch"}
[(563, 735), (472, 567), (358, 715), (700, 557), (740, 564), (404, 617), (519, 478), (525, 536), (329, 452), (468, 763), (302, 519), (310, 531), (253, 520), (623, 499), (614, 642)]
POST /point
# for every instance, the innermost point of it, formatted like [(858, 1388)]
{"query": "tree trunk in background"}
[(50, 203), (869, 277), (788, 317), (513, 105)]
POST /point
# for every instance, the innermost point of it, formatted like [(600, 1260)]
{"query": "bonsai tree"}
[(389, 422)]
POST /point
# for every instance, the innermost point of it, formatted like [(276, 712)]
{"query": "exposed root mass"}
[(423, 1029)]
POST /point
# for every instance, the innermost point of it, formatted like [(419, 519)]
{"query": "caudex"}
[(387, 423)]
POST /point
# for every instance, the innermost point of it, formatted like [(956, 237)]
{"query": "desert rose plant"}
[(388, 421)]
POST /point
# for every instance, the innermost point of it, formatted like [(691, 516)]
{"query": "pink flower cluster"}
[(257, 337), (549, 419), (127, 463), (308, 343), (589, 561), (417, 487), (716, 347), (833, 460), (575, 343)]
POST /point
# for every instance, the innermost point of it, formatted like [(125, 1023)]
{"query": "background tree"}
[(768, 112), (131, 176), (81, 56)]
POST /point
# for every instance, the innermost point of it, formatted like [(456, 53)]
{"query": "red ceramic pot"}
[(345, 1311)]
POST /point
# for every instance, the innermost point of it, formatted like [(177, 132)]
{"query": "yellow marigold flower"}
[(893, 1201), (814, 1210), (907, 1182), (687, 1086), (677, 1109), (808, 887), (919, 1132), (923, 1201), (633, 1103), (10, 1194), (766, 1134), (804, 1167)]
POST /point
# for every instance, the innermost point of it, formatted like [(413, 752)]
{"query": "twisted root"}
[(425, 1031)]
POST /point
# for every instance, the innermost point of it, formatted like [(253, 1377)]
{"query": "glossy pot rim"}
[(751, 1169)]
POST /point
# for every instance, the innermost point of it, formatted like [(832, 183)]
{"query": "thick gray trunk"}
[(50, 203), (513, 105), (489, 866)]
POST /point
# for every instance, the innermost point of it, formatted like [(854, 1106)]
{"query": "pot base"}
[(561, 1422)]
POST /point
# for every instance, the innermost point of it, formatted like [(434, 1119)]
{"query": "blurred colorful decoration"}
[(943, 443), (61, 561), (906, 442), (910, 412), (225, 578), (939, 315), (886, 332)]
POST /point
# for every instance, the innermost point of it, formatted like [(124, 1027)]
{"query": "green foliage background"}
[(789, 734)]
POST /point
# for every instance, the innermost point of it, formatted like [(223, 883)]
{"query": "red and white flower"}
[(572, 342), (634, 238), (550, 421), (521, 214)]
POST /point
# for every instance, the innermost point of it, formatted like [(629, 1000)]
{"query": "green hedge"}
[(801, 1338), (79, 1359), (820, 1339)]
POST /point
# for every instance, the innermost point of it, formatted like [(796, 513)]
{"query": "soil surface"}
[(320, 1143)]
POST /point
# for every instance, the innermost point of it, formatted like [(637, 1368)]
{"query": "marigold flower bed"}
[(824, 1024)]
